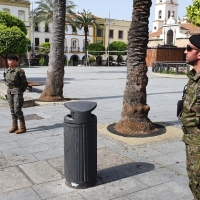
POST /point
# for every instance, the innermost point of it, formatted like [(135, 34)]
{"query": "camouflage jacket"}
[(189, 116), (16, 80)]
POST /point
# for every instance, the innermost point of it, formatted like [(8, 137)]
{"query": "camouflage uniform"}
[(17, 84), (191, 128)]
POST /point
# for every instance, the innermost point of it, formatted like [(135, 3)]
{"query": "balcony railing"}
[(75, 49)]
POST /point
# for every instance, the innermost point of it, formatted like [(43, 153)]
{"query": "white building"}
[(169, 30)]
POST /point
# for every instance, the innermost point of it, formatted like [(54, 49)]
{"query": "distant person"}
[(16, 81), (190, 115)]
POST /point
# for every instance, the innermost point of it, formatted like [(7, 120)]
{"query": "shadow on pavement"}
[(123, 171)]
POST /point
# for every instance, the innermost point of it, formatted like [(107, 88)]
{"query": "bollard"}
[(80, 144)]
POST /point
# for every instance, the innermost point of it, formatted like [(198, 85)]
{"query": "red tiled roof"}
[(156, 34), (191, 27)]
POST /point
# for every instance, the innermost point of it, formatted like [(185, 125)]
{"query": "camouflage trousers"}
[(192, 143), (16, 103)]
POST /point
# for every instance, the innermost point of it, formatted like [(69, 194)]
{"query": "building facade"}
[(168, 30)]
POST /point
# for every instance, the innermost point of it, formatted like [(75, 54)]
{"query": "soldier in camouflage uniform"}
[(16, 81), (190, 116)]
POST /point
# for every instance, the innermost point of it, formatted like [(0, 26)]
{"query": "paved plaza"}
[(129, 168)]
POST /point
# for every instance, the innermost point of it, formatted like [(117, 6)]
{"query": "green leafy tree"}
[(84, 20), (10, 21), (12, 35), (134, 117), (193, 13), (53, 90), (44, 48), (44, 11), (96, 49), (119, 47)]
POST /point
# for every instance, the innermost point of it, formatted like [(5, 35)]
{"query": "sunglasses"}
[(189, 48)]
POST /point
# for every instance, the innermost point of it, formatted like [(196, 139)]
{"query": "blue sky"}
[(121, 10)]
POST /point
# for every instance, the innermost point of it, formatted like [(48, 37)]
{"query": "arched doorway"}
[(170, 37), (111, 59), (74, 60)]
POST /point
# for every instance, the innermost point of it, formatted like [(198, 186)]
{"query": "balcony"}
[(75, 49)]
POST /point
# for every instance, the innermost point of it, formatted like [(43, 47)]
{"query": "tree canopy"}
[(12, 35), (96, 49), (44, 11), (45, 48), (10, 21), (84, 20), (193, 13), (119, 47)]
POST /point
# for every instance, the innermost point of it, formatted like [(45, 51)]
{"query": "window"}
[(120, 34), (169, 13), (74, 45), (99, 32), (111, 33), (6, 10), (46, 39), (37, 43), (46, 28), (21, 15), (36, 27), (159, 14)]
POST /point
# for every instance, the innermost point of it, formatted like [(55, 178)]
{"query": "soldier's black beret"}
[(195, 40), (12, 57)]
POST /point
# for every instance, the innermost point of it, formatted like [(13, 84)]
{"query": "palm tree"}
[(84, 20), (134, 116), (54, 83), (44, 11)]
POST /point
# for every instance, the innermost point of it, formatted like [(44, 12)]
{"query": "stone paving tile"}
[(1, 155), (58, 163), (52, 153), (68, 196), (52, 189), (108, 158), (36, 141), (22, 194), (179, 168), (188, 198), (121, 198), (170, 158), (25, 150), (166, 191), (11, 145), (113, 189), (11, 179), (17, 160), (169, 147), (156, 177), (40, 172), (59, 143)]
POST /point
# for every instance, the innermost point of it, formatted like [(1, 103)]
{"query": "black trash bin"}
[(80, 144)]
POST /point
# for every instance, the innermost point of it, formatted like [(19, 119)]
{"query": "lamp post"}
[(32, 14), (107, 23)]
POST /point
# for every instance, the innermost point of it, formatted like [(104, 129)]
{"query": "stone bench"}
[(31, 84)]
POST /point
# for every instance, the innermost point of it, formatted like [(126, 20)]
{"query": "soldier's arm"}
[(23, 79)]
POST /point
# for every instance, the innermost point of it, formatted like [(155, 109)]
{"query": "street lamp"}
[(108, 22)]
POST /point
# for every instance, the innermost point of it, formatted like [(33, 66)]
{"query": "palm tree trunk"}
[(134, 116), (54, 83)]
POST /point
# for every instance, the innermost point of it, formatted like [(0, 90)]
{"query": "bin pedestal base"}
[(81, 185)]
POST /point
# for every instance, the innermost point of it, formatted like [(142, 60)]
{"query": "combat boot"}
[(22, 128), (14, 127)]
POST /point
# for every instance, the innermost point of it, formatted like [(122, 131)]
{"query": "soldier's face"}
[(12, 63), (192, 54)]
